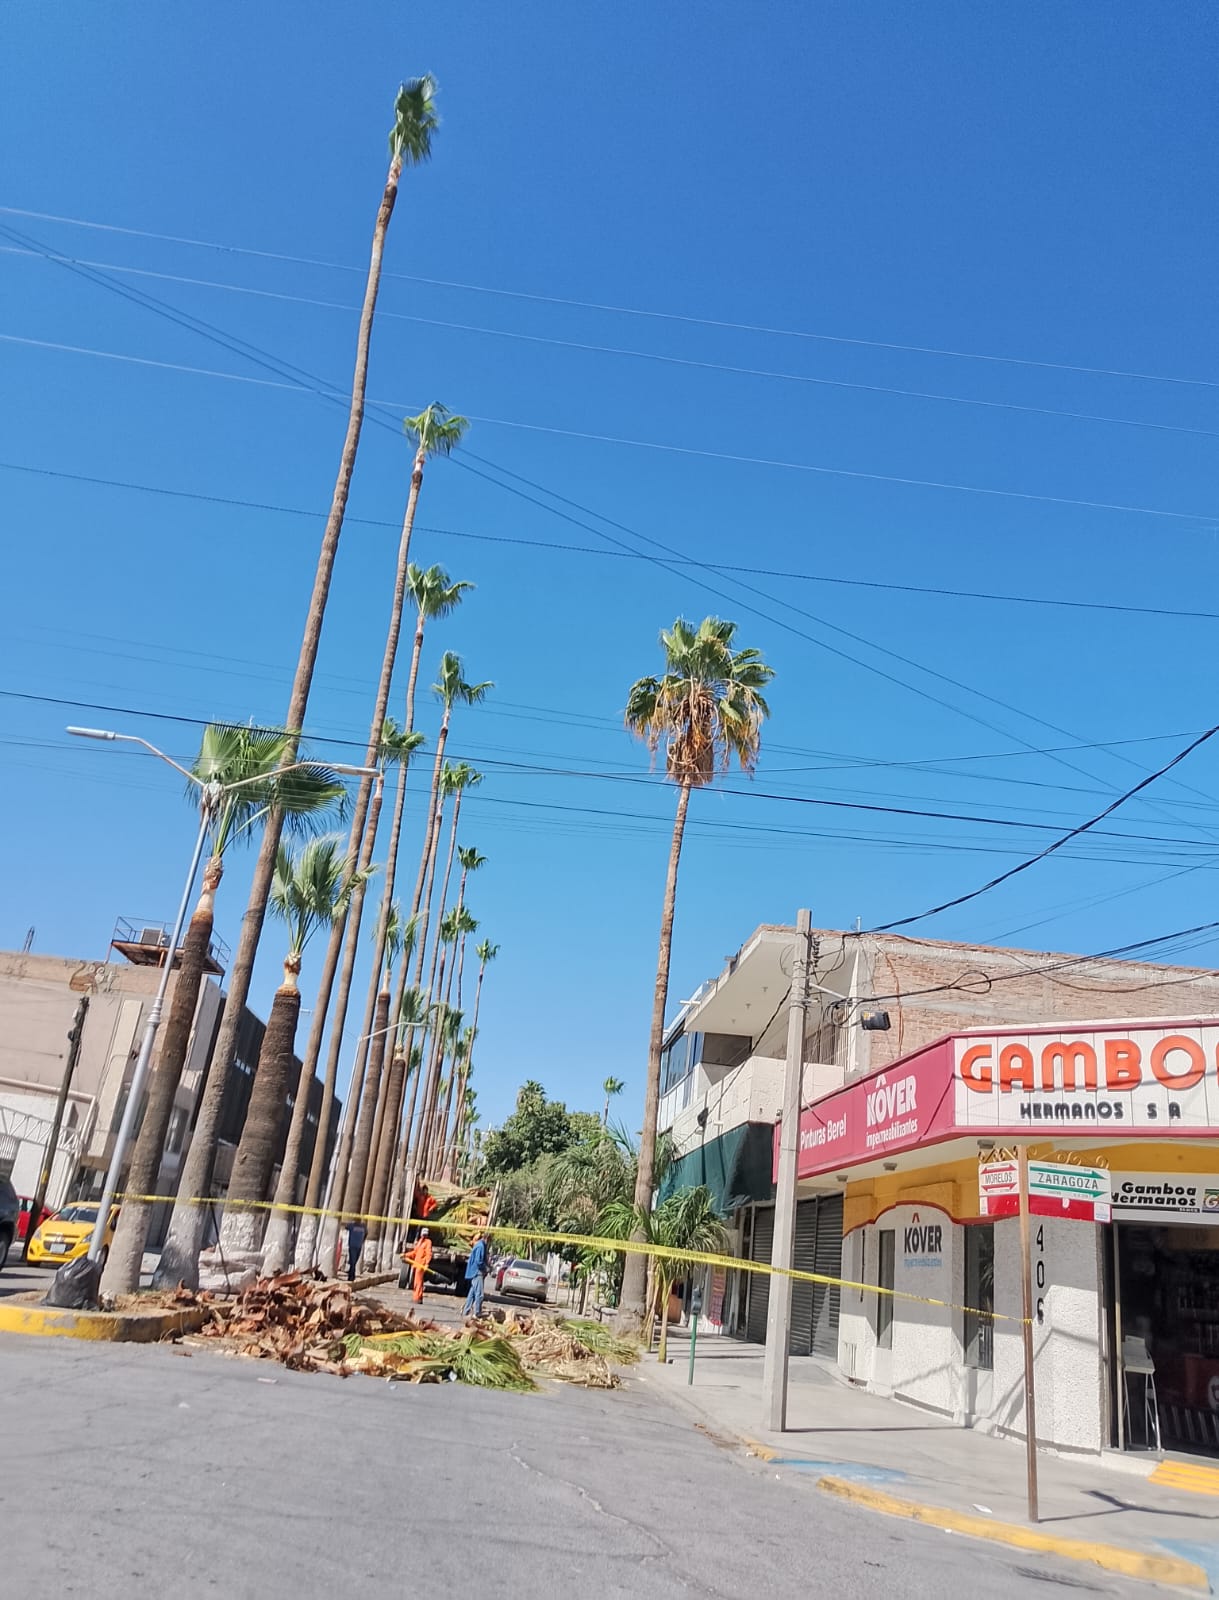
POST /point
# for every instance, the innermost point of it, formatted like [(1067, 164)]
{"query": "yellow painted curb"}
[(141, 1327), (1113, 1558), (1185, 1475), (763, 1451)]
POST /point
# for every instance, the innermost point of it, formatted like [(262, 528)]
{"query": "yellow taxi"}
[(66, 1235)]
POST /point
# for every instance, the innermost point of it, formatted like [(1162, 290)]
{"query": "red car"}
[(23, 1216)]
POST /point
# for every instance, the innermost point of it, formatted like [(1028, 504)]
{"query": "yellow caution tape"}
[(705, 1258)]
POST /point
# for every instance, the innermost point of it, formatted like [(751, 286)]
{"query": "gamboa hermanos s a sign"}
[(1142, 1079)]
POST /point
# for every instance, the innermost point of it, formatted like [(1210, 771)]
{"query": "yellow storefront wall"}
[(953, 1185)]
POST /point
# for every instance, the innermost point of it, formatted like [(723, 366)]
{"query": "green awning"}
[(736, 1167)]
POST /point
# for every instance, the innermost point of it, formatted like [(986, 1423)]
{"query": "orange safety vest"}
[(421, 1254)]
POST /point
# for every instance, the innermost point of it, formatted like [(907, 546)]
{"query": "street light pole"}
[(778, 1306), (211, 795)]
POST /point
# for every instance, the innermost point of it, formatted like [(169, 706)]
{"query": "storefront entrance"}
[(1165, 1328)]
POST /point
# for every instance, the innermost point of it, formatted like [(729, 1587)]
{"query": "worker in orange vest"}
[(419, 1256)]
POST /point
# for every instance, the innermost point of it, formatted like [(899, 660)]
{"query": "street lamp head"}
[(93, 733), (353, 772)]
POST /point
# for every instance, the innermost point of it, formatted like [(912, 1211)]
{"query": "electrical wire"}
[(631, 311), (639, 355), (1074, 833), (555, 546)]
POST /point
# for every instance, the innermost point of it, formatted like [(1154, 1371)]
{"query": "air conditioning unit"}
[(157, 937)]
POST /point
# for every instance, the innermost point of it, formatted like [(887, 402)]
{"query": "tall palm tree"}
[(687, 1220), (470, 861), (309, 891), (435, 432), (463, 924), (486, 953), (410, 144), (381, 1048), (451, 1139), (705, 711), (251, 757), (395, 749), (612, 1087)]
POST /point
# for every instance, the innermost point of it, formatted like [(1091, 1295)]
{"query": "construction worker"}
[(419, 1256), (476, 1275)]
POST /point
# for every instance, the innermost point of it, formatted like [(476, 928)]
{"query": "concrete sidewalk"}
[(877, 1448)]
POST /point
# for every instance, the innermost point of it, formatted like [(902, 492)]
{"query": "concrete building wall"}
[(38, 999), (926, 1361)]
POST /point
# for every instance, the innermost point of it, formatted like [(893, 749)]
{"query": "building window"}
[(177, 1131), (679, 1060), (980, 1296), (885, 1266)]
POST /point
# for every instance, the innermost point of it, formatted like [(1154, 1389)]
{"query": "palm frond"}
[(436, 431), (433, 593), (415, 121)]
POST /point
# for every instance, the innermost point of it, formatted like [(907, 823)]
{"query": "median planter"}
[(130, 1324)]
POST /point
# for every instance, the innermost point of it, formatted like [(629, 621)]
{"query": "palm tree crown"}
[(452, 687), (310, 889), (250, 756), (415, 121), (435, 594), (707, 707), (436, 431)]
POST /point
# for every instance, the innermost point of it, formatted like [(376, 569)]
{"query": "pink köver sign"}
[(1149, 1080)]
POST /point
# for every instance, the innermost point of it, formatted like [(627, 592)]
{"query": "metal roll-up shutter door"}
[(759, 1282), (829, 1261), (804, 1259)]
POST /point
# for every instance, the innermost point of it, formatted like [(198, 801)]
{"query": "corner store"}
[(901, 1146)]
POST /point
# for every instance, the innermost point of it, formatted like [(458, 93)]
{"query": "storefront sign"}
[(1032, 1085), (923, 1243), (1160, 1197), (1115, 1079), (1056, 1189)]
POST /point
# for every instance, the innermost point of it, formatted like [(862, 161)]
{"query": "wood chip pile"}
[(310, 1324), (302, 1321)]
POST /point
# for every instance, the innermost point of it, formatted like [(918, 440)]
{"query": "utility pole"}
[(48, 1160), (1026, 1286), (778, 1308)]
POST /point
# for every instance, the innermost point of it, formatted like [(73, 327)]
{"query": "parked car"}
[(66, 1235), (10, 1210), (523, 1278), (23, 1216)]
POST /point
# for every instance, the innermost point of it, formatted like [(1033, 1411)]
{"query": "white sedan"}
[(524, 1278)]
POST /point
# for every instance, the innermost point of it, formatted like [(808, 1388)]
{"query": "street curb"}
[(140, 1327), (1113, 1558)]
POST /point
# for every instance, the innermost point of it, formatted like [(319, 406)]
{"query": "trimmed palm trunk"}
[(122, 1273), (379, 1084), (634, 1276), (256, 1153), (180, 1256), (401, 1199)]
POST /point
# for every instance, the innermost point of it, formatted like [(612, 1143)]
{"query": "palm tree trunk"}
[(122, 1274), (631, 1303), (256, 1153), (469, 1066), (434, 985), (370, 1099), (384, 1141), (664, 1292), (449, 1144), (401, 1201), (379, 1081), (180, 1257)]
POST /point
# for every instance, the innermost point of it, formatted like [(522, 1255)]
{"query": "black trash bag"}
[(75, 1286)]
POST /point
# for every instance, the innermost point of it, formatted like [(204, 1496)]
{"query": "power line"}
[(638, 355), (630, 311), (818, 469), (556, 546), (1074, 833), (743, 794), (274, 364)]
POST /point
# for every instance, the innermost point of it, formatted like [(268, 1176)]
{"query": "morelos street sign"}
[(1056, 1189)]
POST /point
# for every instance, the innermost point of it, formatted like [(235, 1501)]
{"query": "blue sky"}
[(882, 185)]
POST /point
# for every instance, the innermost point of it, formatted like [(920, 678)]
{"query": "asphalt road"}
[(17, 1278), (128, 1471)]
